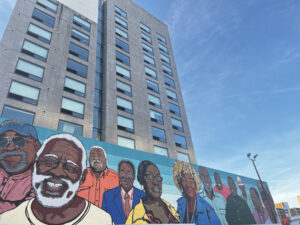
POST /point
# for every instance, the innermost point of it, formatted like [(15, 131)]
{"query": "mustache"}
[(21, 165), (96, 161), (125, 179)]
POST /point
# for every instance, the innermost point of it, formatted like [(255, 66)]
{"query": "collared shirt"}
[(225, 192), (92, 188), (14, 189), (130, 193)]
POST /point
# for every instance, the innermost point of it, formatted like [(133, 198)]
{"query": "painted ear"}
[(83, 176), (37, 145)]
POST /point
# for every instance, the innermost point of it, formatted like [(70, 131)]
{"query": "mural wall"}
[(47, 177)]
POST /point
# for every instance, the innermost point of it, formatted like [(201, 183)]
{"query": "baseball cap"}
[(23, 129)]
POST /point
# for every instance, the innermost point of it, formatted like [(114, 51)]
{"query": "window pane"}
[(122, 45), (120, 22), (147, 38), (165, 59), (35, 51), (145, 28), (125, 142), (169, 82), (72, 107), (163, 48), (29, 70), (122, 58), (82, 23), (167, 70), (149, 60), (147, 49), (152, 86), (81, 37), (24, 92), (78, 51), (125, 124), (177, 124), (124, 105), (123, 88), (71, 128), (51, 6), (120, 12), (161, 38), (17, 114), (171, 95), (174, 109), (39, 33), (183, 157), (161, 151), (74, 87), (121, 33), (180, 141), (77, 68), (155, 101), (156, 117), (158, 134), (151, 73), (123, 72), (43, 18)]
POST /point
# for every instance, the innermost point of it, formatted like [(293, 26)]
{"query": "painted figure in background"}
[(151, 209), (119, 201), (268, 203), (18, 146), (59, 167), (242, 188), (220, 188), (98, 177), (215, 199), (191, 207), (260, 214), (237, 210)]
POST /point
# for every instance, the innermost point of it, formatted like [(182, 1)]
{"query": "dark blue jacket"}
[(112, 203), (204, 213)]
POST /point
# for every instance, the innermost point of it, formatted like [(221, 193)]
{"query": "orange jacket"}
[(92, 189)]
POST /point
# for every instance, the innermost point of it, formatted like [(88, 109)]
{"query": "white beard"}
[(97, 161), (52, 202)]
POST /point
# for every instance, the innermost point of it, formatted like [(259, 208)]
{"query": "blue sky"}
[(238, 63)]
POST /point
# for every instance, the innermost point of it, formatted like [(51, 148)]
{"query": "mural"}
[(49, 177)]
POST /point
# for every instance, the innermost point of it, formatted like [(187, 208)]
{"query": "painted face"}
[(153, 182), (232, 186), (205, 178), (126, 176), (57, 173), (218, 181), (255, 199), (268, 201), (17, 153), (188, 185), (97, 159)]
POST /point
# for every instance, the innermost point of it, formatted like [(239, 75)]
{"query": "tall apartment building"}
[(103, 70)]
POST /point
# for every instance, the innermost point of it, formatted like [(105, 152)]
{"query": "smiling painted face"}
[(97, 159), (205, 178), (153, 182), (126, 176), (218, 181), (232, 186), (188, 185)]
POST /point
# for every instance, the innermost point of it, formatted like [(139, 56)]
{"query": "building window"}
[(120, 12), (78, 51), (156, 117), (125, 124), (122, 58), (171, 95), (147, 48), (161, 38), (121, 33), (81, 37), (180, 141), (152, 86), (72, 107), (74, 86), (145, 28), (126, 142), (70, 128), (163, 48), (149, 60), (177, 124), (150, 73), (122, 72), (122, 45), (160, 151), (124, 105), (183, 157), (30, 70), (17, 114), (77, 68), (158, 134), (121, 22), (165, 59), (174, 109), (35, 50), (124, 88), (49, 5), (155, 101), (167, 70), (169, 82), (43, 18), (23, 92), (39, 33), (82, 23), (146, 38)]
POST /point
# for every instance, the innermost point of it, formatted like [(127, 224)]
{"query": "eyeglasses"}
[(18, 141), (151, 177), (54, 163)]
